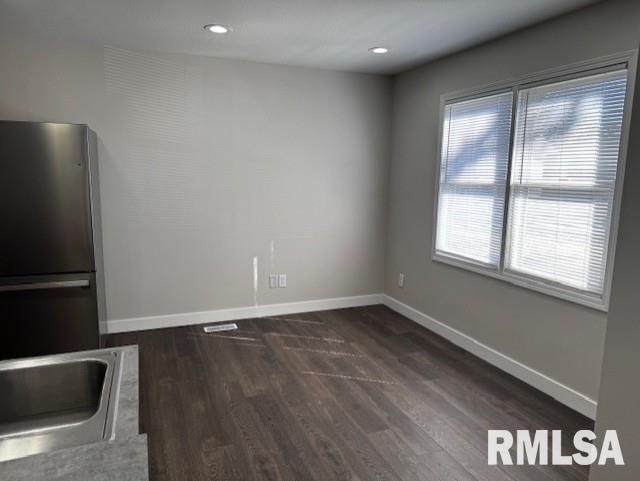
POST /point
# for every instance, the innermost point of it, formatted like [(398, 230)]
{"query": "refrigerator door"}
[(48, 315), (45, 210)]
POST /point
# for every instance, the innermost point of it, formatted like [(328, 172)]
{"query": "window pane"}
[(563, 179), (560, 236), (473, 171)]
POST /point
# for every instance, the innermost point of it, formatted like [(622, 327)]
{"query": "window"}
[(528, 182), (473, 173)]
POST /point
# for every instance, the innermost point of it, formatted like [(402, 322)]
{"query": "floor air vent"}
[(221, 327)]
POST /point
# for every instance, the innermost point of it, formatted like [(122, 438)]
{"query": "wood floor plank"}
[(288, 438), (321, 438), (221, 463), (405, 463), (360, 453)]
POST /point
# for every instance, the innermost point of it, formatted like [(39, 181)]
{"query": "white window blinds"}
[(563, 178), (473, 175), (534, 203)]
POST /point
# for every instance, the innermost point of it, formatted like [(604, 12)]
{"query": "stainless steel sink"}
[(53, 402)]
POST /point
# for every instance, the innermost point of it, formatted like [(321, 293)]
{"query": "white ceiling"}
[(331, 34)]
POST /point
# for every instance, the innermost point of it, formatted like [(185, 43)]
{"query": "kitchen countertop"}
[(122, 458)]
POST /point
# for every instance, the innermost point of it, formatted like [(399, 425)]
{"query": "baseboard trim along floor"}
[(360, 393), (234, 314), (564, 394), (561, 392)]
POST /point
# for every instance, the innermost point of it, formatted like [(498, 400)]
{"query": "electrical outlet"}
[(401, 280), (282, 280), (273, 281)]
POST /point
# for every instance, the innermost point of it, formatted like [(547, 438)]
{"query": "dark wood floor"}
[(352, 394)]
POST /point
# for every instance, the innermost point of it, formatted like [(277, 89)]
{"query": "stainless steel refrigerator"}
[(51, 270)]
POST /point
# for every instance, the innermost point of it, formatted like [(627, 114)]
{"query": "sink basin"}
[(54, 402)]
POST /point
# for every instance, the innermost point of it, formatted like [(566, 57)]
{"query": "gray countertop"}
[(123, 458)]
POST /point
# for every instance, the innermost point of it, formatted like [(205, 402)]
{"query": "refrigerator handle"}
[(32, 286)]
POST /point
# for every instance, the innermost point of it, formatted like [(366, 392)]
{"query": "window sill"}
[(566, 294)]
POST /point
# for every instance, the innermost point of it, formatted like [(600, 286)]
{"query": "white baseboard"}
[(564, 394), (190, 318)]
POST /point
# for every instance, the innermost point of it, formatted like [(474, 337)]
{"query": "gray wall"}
[(559, 339), (619, 389), (207, 163)]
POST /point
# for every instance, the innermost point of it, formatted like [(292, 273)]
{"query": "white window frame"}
[(626, 60)]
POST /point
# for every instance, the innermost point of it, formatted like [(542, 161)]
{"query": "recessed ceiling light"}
[(378, 50), (217, 28)]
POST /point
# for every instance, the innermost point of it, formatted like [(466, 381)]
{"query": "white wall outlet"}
[(282, 280), (401, 280), (273, 281)]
